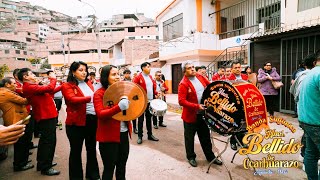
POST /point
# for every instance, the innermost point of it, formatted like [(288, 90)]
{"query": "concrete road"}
[(161, 160)]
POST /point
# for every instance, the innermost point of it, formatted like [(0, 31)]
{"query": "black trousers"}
[(58, 103), (47, 143), (239, 135), (155, 120), (270, 101), (134, 124), (115, 155), (148, 116), (76, 136), (30, 129), (21, 148), (200, 127)]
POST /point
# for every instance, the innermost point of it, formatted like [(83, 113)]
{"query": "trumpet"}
[(161, 94)]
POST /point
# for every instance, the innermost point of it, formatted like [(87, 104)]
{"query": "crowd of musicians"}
[(89, 121)]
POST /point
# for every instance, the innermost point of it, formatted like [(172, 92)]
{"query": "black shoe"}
[(162, 125), (234, 146), (135, 131), (34, 146), (152, 138), (193, 162), (37, 136), (23, 168), (245, 146), (217, 162), (50, 172), (53, 164), (139, 141), (156, 126)]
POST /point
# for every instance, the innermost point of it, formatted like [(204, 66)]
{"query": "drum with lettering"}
[(234, 106)]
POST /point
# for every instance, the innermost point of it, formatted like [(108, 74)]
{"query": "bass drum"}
[(225, 109)]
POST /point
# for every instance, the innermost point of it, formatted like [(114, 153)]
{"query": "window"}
[(224, 24), (25, 52), (17, 51), (131, 29), (238, 22), (131, 38), (28, 39), (29, 33), (307, 4), (7, 51), (173, 28)]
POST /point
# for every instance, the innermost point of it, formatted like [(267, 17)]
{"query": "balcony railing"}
[(245, 16)]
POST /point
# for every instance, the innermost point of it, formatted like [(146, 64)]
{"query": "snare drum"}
[(158, 107)]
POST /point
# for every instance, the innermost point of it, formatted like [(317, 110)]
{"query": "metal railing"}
[(228, 56), (244, 16)]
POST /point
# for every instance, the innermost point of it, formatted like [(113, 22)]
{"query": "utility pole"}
[(63, 52), (68, 44), (97, 32)]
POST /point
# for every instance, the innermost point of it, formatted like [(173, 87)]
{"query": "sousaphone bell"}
[(135, 94)]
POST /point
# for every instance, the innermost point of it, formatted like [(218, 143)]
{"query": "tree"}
[(34, 61), (3, 69), (45, 65)]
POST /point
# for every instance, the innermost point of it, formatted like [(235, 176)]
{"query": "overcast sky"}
[(104, 8)]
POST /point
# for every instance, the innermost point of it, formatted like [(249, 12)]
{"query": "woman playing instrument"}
[(81, 122), (112, 134)]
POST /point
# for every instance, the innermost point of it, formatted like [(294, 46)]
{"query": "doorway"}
[(176, 77)]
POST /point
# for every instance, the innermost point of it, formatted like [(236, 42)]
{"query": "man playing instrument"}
[(161, 89), (45, 113), (190, 92), (145, 80), (236, 75)]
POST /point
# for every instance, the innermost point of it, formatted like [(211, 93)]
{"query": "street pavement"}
[(164, 159)]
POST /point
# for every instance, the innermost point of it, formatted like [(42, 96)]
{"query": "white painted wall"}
[(303, 18), (117, 53), (208, 24)]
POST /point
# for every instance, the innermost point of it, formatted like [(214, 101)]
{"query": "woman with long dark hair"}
[(112, 134), (265, 77), (81, 122)]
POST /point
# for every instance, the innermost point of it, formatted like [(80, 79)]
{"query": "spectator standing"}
[(265, 77), (309, 113)]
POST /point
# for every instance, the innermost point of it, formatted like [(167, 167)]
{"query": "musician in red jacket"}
[(81, 122), (236, 75), (219, 75), (112, 134), (236, 72), (45, 113), (190, 92), (144, 79), (161, 89)]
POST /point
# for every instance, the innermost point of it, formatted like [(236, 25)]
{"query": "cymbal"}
[(136, 95)]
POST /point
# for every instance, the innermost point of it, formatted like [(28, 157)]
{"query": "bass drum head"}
[(225, 113), (158, 105)]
